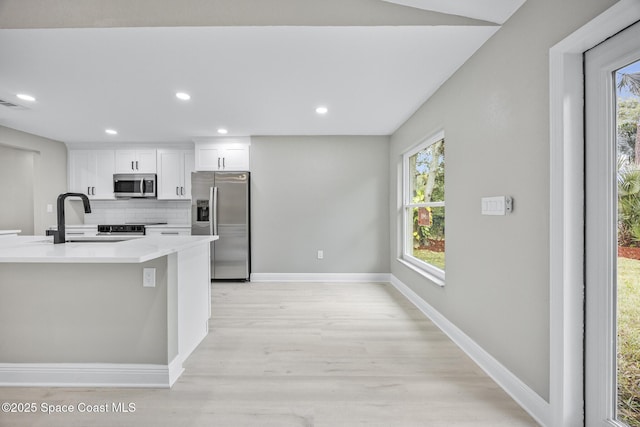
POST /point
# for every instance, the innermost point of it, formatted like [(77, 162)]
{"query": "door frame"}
[(566, 252)]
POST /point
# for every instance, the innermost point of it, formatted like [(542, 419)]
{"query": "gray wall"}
[(17, 174), (495, 114), (325, 192), (50, 173)]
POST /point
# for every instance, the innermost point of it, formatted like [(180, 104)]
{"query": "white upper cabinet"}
[(91, 173), (174, 174), (135, 161), (222, 154)]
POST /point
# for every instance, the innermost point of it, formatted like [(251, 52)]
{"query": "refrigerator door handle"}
[(213, 217)]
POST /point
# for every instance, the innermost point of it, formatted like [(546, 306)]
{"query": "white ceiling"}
[(252, 80)]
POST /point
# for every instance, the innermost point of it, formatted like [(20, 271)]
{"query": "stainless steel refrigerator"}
[(220, 206)]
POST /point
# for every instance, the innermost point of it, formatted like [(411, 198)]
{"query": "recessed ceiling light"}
[(322, 110), (183, 95), (26, 97), (223, 131), (111, 131)]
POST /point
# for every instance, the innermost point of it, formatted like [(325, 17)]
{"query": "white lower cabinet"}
[(168, 231), (82, 231)]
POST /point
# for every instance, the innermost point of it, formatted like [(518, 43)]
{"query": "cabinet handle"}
[(218, 162), (88, 191), (182, 191), (169, 232), (132, 165), (136, 165), (177, 191), (93, 191), (224, 165)]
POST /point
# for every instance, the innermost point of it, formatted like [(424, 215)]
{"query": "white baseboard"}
[(530, 401), (89, 375), (175, 369), (320, 277)]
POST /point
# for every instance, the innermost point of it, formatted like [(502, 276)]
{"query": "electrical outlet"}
[(320, 254), (149, 277)]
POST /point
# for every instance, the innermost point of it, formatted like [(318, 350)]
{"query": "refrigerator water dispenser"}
[(202, 210)]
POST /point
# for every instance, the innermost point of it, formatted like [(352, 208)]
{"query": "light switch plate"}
[(498, 205)]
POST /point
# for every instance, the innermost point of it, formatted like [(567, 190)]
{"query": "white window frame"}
[(430, 271)]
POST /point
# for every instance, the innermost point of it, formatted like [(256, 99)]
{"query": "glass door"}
[(628, 271), (612, 235)]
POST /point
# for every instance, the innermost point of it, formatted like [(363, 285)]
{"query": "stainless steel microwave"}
[(128, 185)]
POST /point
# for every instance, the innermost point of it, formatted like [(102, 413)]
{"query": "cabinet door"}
[(136, 161), (125, 161), (168, 231), (80, 171), (174, 174), (222, 154), (91, 173), (189, 167), (235, 159), (208, 158), (71, 231), (145, 161), (102, 188), (170, 174)]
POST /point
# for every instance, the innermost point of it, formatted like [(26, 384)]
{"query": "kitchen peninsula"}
[(123, 314)]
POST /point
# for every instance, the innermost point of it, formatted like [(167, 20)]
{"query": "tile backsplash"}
[(139, 210)]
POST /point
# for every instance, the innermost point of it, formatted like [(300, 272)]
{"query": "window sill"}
[(439, 281)]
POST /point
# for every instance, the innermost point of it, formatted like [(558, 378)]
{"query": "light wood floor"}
[(293, 354)]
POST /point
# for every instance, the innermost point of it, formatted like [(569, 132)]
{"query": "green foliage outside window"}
[(427, 169)]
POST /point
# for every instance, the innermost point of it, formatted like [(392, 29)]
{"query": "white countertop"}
[(3, 232), (40, 249)]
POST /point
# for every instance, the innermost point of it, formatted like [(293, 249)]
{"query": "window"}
[(423, 206)]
